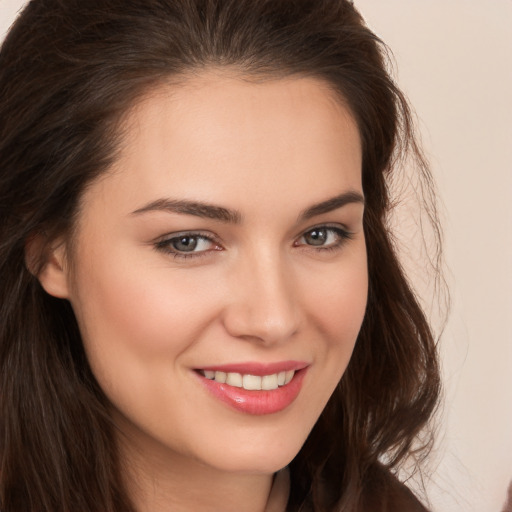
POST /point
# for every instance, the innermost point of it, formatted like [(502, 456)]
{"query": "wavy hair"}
[(69, 71)]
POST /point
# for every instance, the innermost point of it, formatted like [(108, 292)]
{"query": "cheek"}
[(337, 304), (130, 314), (137, 329), (339, 301)]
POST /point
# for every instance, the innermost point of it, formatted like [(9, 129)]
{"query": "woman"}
[(199, 286)]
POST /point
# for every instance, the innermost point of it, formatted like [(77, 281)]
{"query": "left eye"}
[(323, 237)]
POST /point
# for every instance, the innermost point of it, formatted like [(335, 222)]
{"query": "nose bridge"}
[(263, 302)]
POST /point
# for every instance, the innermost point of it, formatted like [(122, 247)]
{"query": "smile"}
[(250, 382), (253, 388)]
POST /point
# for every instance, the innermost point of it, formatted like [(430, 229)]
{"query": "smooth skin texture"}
[(159, 294)]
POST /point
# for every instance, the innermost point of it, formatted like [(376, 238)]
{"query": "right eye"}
[(187, 245)]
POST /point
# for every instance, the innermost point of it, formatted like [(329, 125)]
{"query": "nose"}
[(263, 301)]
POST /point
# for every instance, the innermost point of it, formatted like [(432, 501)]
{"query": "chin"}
[(258, 458), (266, 465)]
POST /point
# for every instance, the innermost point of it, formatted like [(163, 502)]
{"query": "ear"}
[(47, 261)]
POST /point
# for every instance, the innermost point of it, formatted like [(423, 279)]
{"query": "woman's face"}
[(225, 244)]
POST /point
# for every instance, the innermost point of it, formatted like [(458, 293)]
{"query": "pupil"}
[(185, 244), (316, 237)]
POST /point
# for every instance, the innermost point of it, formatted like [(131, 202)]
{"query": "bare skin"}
[(271, 271)]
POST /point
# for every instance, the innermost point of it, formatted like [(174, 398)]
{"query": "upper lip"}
[(256, 368)]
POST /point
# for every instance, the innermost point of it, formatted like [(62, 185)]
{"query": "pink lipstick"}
[(255, 388)]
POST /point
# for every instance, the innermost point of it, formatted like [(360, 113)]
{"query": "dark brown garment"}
[(384, 493), (508, 505)]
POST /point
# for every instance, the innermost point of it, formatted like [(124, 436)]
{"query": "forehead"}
[(216, 135)]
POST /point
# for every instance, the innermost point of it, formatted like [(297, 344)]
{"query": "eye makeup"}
[(192, 244)]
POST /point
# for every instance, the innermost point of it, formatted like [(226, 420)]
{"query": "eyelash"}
[(342, 235), (165, 245)]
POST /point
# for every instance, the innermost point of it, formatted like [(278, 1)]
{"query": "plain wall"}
[(453, 59)]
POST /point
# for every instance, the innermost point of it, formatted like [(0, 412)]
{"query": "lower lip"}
[(256, 402)]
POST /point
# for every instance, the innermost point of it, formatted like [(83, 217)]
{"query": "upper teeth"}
[(251, 382)]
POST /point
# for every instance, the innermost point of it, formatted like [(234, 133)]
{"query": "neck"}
[(157, 481)]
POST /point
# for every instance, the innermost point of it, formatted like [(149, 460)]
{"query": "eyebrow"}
[(196, 208), (332, 204), (219, 213)]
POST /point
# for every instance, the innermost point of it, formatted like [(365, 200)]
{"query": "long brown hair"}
[(69, 70)]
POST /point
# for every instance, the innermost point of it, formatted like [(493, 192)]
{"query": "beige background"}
[(453, 59)]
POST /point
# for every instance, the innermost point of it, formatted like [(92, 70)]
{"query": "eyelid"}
[(335, 226), (341, 230), (163, 243), (186, 232)]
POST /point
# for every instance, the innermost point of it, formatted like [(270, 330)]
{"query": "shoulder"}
[(383, 492)]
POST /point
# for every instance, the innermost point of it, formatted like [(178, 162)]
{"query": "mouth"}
[(255, 389)]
